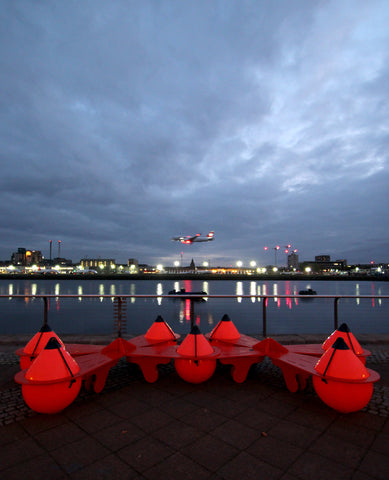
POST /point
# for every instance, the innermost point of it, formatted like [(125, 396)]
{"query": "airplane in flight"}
[(194, 239)]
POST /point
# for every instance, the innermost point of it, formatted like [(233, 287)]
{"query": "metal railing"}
[(120, 300)]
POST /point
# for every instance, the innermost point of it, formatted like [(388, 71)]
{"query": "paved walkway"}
[(216, 430)]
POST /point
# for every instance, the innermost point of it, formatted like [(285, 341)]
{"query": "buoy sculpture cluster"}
[(52, 373)]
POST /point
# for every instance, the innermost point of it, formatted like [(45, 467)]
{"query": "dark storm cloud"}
[(125, 123)]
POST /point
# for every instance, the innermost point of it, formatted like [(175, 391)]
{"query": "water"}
[(95, 316)]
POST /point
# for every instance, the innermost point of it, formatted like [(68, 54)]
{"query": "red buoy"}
[(197, 363), (36, 345), (50, 384), (343, 383), (344, 332), (225, 330), (160, 331)]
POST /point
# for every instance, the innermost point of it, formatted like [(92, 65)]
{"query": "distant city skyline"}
[(124, 124), (276, 257)]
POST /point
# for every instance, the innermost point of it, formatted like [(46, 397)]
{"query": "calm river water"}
[(95, 316)]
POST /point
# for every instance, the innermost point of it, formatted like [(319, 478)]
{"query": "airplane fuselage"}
[(194, 238)]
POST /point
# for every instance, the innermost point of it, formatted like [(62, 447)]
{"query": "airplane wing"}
[(208, 238), (194, 237), (186, 239)]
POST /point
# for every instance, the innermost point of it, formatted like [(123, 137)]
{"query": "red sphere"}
[(195, 371), (343, 396), (50, 398)]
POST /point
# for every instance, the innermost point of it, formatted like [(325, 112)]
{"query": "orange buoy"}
[(160, 331), (50, 384), (344, 332), (343, 382), (225, 330), (197, 363), (36, 345)]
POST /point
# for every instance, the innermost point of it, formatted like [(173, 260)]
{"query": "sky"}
[(125, 123)]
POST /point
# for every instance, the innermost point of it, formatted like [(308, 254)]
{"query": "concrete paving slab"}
[(216, 430)]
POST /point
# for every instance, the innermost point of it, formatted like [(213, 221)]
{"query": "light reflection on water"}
[(285, 315)]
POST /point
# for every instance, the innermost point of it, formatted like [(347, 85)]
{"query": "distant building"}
[(26, 257), (101, 263), (61, 261), (323, 264), (293, 261), (322, 258), (144, 268), (133, 265)]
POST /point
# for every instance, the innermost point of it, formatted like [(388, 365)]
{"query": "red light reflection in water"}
[(187, 309), (373, 293), (288, 291)]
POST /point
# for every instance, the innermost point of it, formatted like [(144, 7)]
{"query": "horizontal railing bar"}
[(96, 295), (192, 298)]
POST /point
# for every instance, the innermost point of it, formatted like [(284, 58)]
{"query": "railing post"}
[(336, 300), (117, 314), (264, 327), (45, 310)]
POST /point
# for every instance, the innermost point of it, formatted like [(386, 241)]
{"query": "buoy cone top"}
[(45, 328), (53, 344), (39, 341), (195, 344), (225, 330), (344, 332), (160, 331), (52, 364), (339, 362), (343, 328)]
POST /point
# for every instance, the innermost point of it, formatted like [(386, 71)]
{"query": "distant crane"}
[(276, 248)]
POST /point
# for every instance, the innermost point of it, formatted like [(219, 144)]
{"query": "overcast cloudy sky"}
[(124, 123)]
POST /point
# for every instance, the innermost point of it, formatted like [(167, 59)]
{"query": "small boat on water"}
[(182, 291), (308, 291)]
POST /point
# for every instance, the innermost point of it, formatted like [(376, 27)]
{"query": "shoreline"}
[(195, 276)]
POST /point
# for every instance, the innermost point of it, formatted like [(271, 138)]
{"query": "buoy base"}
[(195, 371), (343, 396), (51, 397)]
